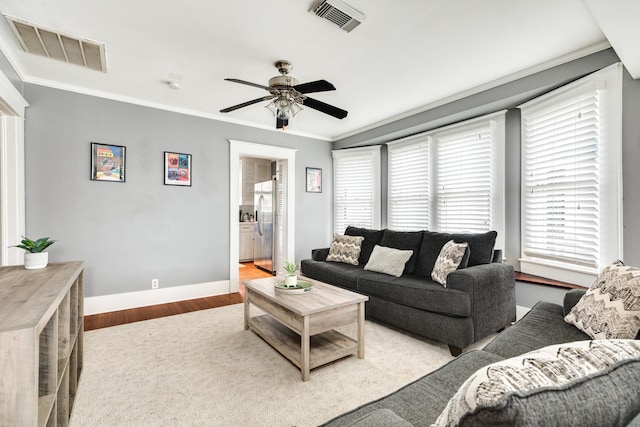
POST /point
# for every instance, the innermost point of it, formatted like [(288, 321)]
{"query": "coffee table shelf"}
[(323, 348)]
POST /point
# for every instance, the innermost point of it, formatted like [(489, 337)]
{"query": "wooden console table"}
[(41, 326)]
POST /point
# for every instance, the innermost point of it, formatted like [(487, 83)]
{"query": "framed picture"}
[(177, 169), (107, 162), (314, 180)]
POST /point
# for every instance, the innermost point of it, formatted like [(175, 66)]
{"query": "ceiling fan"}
[(286, 96)]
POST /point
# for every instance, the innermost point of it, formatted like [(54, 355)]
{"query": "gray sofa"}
[(479, 298), (613, 400)]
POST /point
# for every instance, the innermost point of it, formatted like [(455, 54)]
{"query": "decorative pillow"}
[(345, 249), (581, 383), (388, 260), (449, 259), (611, 306)]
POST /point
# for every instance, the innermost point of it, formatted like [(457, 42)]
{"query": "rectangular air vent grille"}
[(341, 14), (52, 44)]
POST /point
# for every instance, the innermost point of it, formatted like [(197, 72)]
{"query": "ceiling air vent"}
[(341, 14), (53, 44)]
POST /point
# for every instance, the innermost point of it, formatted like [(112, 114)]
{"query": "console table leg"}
[(246, 308)]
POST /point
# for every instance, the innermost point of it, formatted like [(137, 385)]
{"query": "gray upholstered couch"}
[(479, 298), (609, 400)]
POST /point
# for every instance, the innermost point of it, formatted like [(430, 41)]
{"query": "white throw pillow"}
[(541, 386), (388, 260), (345, 249), (449, 259), (611, 306)]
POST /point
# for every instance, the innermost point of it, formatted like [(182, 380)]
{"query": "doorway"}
[(281, 155)]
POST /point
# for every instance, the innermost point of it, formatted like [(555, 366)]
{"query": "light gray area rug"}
[(203, 369)]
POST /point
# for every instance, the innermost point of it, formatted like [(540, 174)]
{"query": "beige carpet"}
[(203, 369)]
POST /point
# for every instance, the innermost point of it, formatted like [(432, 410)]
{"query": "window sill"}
[(530, 278)]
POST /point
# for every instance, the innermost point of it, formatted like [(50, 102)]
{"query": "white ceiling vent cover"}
[(53, 44), (341, 14)]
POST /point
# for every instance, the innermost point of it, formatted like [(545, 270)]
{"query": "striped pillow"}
[(345, 249), (388, 260)]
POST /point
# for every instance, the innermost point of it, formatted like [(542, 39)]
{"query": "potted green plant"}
[(291, 279), (36, 257)]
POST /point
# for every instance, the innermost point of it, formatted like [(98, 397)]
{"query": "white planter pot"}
[(291, 281), (36, 260)]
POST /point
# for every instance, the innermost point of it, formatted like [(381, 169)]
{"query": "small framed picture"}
[(107, 162), (177, 169), (314, 180)]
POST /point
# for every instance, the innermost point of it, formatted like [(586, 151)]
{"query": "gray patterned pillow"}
[(345, 249), (611, 306), (449, 259), (388, 260), (581, 383)]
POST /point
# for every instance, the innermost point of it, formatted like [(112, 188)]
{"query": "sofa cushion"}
[(422, 401), (450, 257), (405, 240), (480, 249), (371, 238), (388, 260), (345, 249), (581, 383), (542, 326), (611, 306), (417, 292), (334, 273)]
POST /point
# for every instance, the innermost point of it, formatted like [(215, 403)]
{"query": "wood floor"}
[(104, 320)]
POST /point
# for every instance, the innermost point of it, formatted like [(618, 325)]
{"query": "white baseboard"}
[(124, 301), (521, 311)]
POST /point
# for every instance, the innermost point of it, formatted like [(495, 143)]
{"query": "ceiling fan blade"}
[(246, 104), (336, 112), (317, 86), (244, 82)]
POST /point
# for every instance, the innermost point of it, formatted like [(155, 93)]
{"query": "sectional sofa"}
[(477, 299), (596, 384)]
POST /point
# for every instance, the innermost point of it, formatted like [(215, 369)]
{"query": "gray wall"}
[(129, 233)]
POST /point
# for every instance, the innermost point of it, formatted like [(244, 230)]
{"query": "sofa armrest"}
[(492, 293), (319, 254), (571, 298)]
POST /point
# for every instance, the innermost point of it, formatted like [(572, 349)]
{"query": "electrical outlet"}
[(154, 283)]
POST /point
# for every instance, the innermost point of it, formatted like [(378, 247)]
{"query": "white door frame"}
[(239, 149), (12, 190)]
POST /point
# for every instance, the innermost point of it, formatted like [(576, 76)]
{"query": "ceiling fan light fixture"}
[(283, 107)]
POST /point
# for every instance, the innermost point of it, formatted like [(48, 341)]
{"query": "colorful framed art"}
[(177, 169), (314, 180), (107, 162)]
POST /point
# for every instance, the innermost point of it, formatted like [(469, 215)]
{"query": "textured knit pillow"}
[(388, 260), (449, 259), (345, 249), (583, 383), (611, 306)]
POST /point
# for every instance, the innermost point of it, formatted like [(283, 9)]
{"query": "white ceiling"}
[(405, 56)]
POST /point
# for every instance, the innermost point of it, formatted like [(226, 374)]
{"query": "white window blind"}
[(409, 185), (464, 180), (570, 163), (356, 188), (450, 179)]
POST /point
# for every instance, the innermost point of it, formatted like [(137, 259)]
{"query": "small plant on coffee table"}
[(290, 280)]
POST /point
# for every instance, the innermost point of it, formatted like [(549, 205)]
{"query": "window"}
[(409, 184), (571, 164), (450, 179), (356, 188)]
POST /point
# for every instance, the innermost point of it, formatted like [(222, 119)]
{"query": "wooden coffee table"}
[(301, 326)]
